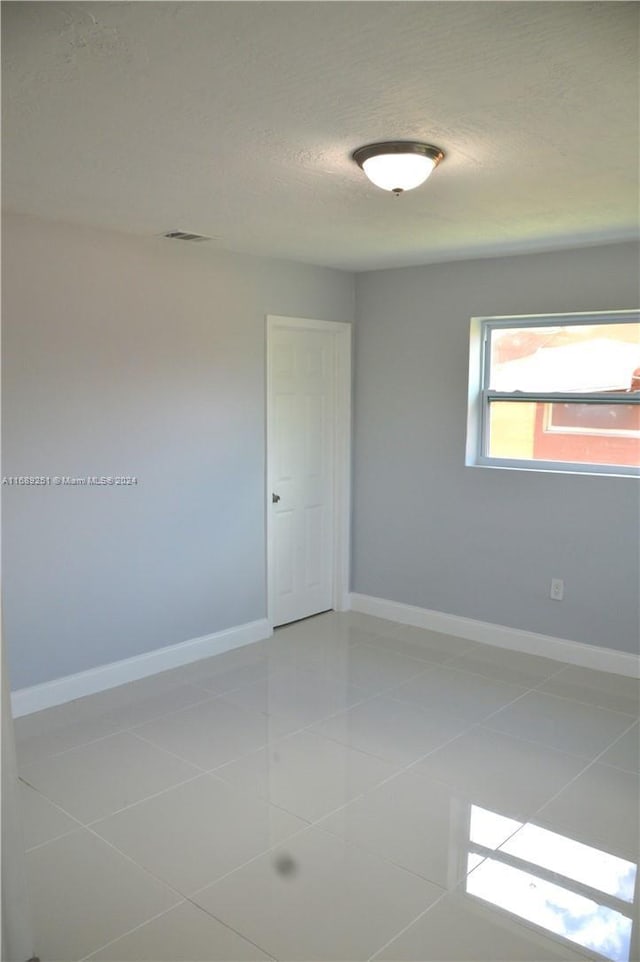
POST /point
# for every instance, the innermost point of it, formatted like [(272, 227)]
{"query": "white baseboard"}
[(24, 701), (516, 639)]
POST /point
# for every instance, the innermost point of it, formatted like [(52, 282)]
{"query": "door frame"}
[(341, 540)]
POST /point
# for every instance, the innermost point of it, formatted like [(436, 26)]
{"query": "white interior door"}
[(302, 434)]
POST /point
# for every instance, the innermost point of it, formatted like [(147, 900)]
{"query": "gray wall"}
[(477, 542), (140, 357)]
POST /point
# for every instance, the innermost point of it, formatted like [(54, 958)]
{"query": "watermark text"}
[(65, 480)]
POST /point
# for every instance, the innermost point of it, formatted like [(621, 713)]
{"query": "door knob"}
[(275, 498)]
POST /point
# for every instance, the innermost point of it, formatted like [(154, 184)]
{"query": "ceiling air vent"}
[(185, 236)]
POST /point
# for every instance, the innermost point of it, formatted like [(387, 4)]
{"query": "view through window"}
[(562, 390)]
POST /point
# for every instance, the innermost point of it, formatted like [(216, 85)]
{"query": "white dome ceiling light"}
[(398, 165)]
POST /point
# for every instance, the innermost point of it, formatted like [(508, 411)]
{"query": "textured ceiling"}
[(237, 120)]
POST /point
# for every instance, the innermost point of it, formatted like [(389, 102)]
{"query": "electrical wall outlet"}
[(557, 589)]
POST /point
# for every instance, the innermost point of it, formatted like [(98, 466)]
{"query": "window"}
[(556, 393)]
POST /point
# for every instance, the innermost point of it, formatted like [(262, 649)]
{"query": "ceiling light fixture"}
[(398, 165)]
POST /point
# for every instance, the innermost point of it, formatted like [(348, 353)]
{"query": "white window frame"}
[(480, 396)]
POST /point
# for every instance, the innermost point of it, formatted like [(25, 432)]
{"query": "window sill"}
[(590, 471)]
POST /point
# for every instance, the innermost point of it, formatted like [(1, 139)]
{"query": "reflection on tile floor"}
[(350, 789)]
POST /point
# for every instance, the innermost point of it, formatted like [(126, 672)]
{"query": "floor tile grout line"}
[(57, 805), (133, 729), (125, 808), (208, 696), (593, 762), (475, 648), (409, 925), (185, 901), (523, 691), (393, 635), (621, 768), (147, 798), (421, 652), (310, 731), (246, 938), (347, 844), (552, 748), (529, 819), (198, 774), (381, 758), (634, 723), (401, 656), (36, 760), (246, 793), (428, 665), (187, 680), (305, 726), (406, 769), (170, 886), (167, 751), (146, 871), (457, 886), (587, 759), (477, 723), (250, 795), (211, 695), (382, 693), (176, 711), (592, 692), (77, 823), (55, 838), (254, 858), (481, 724), (171, 687), (219, 697), (500, 681), (397, 771), (573, 701), (389, 693), (533, 691), (504, 842), (353, 845), (583, 701), (528, 691), (309, 727), (143, 868), (317, 824), (135, 928), (363, 848), (236, 688), (217, 769), (446, 667), (119, 730), (447, 891), (563, 666)]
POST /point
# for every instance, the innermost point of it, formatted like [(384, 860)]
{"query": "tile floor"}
[(350, 789)]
